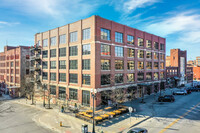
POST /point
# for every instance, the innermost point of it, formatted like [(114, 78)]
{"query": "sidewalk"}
[(51, 117)]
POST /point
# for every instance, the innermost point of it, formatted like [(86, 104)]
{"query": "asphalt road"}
[(17, 118), (182, 116)]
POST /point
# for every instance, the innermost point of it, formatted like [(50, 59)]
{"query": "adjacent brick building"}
[(96, 53), (196, 73), (14, 65)]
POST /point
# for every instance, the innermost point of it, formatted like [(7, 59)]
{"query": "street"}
[(17, 118), (182, 116)]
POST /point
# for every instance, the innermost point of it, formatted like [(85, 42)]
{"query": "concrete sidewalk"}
[(51, 117)]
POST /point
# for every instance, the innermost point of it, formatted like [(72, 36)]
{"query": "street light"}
[(44, 86), (93, 92)]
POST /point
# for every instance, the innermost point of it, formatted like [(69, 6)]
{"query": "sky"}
[(176, 20)]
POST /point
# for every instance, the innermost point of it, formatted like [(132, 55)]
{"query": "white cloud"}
[(131, 5), (4, 23), (179, 23)]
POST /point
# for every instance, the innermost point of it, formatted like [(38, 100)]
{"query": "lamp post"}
[(44, 86), (93, 92)]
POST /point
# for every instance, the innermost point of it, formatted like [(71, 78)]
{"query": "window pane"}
[(149, 76), (131, 52), (156, 76), (86, 34), (140, 42), (119, 51), (119, 78), (73, 36), (119, 37), (62, 39), (148, 44), (86, 98), (73, 64), (45, 54), (73, 78), (155, 65), (130, 65), (130, 77), (53, 64), (105, 34), (105, 64), (140, 54), (52, 89), (45, 65), (105, 79), (156, 45), (149, 55), (130, 40), (119, 65), (62, 93), (62, 52), (105, 49), (73, 51), (53, 76), (53, 53), (86, 64), (62, 77), (86, 49), (45, 76), (148, 65), (86, 79), (140, 76), (62, 64), (140, 65), (53, 41), (156, 56), (73, 94), (45, 43)]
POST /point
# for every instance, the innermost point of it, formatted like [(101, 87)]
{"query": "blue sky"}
[(176, 20)]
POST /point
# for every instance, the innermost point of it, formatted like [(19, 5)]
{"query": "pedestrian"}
[(62, 109)]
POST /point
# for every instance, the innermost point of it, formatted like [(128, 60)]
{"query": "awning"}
[(13, 87)]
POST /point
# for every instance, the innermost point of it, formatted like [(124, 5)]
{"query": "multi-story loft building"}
[(14, 65), (99, 54), (196, 73), (191, 63), (197, 61), (189, 74), (178, 58)]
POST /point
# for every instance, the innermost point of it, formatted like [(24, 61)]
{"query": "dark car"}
[(188, 91), (166, 98), (194, 89), (180, 92), (138, 130)]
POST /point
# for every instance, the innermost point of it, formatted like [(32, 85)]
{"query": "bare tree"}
[(27, 87)]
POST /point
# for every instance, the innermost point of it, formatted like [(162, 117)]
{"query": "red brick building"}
[(14, 65), (96, 53), (177, 61), (196, 73)]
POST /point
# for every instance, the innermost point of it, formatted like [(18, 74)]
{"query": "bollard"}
[(60, 123)]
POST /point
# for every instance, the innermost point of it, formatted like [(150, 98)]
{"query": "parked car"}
[(166, 98), (188, 90), (194, 89), (180, 92), (137, 130), (0, 94)]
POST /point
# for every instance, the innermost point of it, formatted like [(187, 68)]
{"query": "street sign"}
[(130, 109)]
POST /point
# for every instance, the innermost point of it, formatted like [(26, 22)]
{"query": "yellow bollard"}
[(60, 123)]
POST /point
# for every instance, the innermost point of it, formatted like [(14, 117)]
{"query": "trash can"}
[(84, 128)]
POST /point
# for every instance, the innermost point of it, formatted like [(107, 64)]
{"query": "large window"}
[(86, 98), (119, 65), (73, 64), (148, 65), (86, 64), (140, 76), (105, 79), (105, 34), (162, 56), (162, 65), (105, 49), (62, 77), (130, 65), (149, 55), (62, 93), (73, 94), (53, 76), (155, 65), (45, 65), (130, 40), (62, 64), (62, 52), (156, 45), (140, 65), (156, 76), (45, 76), (53, 53), (140, 53), (119, 51), (130, 77), (156, 56), (162, 76), (140, 42), (86, 79), (131, 52), (62, 39), (45, 43), (73, 78), (86, 34), (86, 49), (73, 36), (52, 89), (119, 37), (148, 44), (45, 54), (162, 46), (119, 78), (149, 76), (105, 64), (53, 64), (53, 41), (73, 51)]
